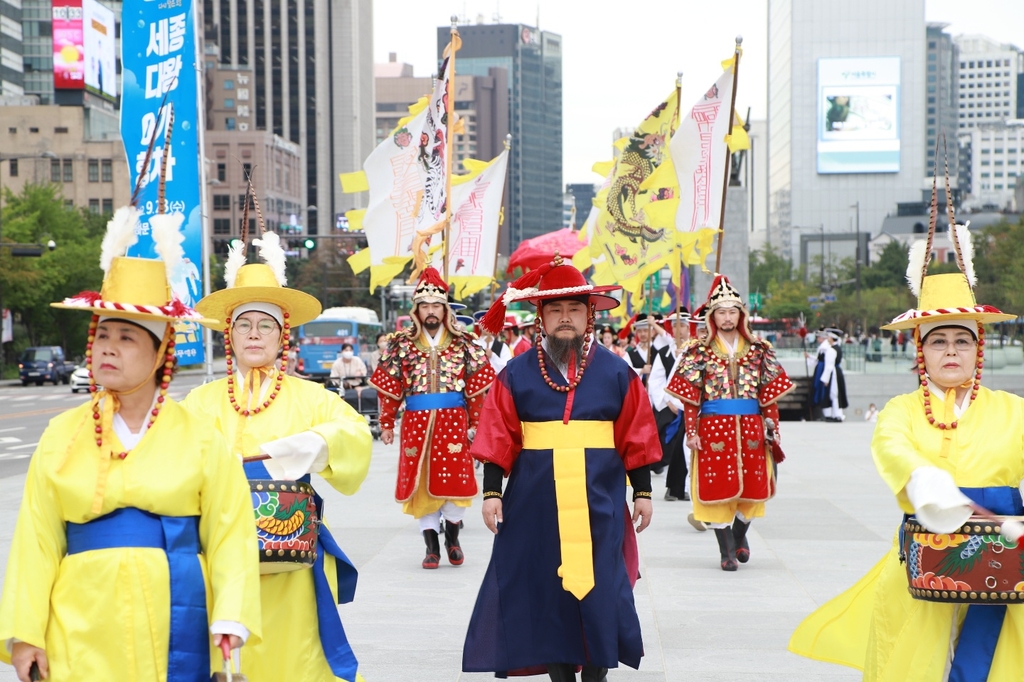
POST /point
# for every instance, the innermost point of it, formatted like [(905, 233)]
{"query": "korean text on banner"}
[(158, 56), (476, 221)]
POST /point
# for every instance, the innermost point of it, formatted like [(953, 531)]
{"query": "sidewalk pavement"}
[(832, 520)]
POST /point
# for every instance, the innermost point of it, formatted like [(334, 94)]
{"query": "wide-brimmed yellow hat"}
[(258, 282), (947, 297), (135, 289)]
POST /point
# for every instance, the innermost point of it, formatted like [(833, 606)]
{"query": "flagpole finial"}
[(508, 141), (455, 20), (739, 40), (679, 78)]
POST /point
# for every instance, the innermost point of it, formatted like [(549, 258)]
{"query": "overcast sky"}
[(620, 59)]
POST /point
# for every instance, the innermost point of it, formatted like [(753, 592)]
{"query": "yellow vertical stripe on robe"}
[(569, 463)]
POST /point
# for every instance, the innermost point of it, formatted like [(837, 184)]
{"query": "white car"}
[(80, 380)]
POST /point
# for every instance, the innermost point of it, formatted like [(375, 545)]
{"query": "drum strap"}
[(972, 659), (188, 652), (333, 640)]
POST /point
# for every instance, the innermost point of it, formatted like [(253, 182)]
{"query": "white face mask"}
[(346, 354)]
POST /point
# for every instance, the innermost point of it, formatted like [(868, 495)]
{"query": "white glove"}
[(938, 503), (295, 456)]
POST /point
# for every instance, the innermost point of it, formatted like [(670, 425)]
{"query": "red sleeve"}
[(679, 387), (499, 436), (775, 389), (771, 411), (690, 413), (636, 434), (388, 409)]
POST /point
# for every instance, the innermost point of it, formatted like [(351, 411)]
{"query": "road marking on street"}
[(22, 447), (32, 413), (13, 428), (59, 396), (24, 398), (9, 439), (15, 456)]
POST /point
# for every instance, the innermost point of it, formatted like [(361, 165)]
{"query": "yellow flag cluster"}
[(660, 203)]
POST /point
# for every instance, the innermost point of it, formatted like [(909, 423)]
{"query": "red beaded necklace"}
[(285, 338), (165, 382), (976, 384), (583, 363)]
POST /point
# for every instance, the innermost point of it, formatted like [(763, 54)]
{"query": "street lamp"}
[(14, 157)]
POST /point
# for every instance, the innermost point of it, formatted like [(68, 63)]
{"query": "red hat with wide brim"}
[(565, 281)]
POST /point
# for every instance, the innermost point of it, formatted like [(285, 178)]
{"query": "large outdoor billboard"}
[(858, 118), (100, 49), (68, 45)]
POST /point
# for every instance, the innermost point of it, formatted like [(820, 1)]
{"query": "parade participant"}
[(300, 428), (641, 353), (442, 376), (729, 385), (348, 367), (133, 511), (528, 329), (947, 446), (609, 337), (829, 386), (565, 422), (498, 352), (698, 332), (518, 343), (673, 435)]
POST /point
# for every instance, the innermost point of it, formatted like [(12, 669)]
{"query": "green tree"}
[(766, 266), (29, 285), (889, 270)]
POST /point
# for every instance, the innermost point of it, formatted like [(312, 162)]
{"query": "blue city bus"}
[(318, 342)]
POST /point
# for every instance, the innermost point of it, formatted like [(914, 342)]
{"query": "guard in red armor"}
[(442, 376), (729, 382)]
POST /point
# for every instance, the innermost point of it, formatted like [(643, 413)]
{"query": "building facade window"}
[(94, 170), (108, 206), (222, 172), (68, 169), (55, 170), (221, 202), (94, 206), (107, 170), (222, 226), (229, 123), (12, 167)]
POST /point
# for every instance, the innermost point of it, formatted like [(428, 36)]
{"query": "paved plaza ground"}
[(832, 520)]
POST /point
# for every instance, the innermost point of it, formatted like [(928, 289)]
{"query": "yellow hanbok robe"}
[(291, 648), (105, 614), (876, 626)]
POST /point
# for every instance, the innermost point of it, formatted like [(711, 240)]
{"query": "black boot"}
[(592, 674), (739, 534), (451, 543), (562, 672), (727, 546), (433, 557)]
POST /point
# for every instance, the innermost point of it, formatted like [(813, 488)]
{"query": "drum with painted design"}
[(974, 565), (287, 520)]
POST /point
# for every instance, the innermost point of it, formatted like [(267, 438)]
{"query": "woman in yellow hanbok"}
[(133, 542), (942, 449), (301, 428)]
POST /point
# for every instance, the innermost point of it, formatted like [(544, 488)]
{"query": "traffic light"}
[(309, 243)]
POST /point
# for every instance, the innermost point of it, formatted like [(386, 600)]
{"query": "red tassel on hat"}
[(628, 328), (494, 320), (432, 276)]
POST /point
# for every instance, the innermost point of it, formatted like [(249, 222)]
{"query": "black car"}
[(44, 363)]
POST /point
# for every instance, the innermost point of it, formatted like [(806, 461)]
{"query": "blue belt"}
[(433, 401), (976, 647), (730, 406), (333, 640), (188, 652)]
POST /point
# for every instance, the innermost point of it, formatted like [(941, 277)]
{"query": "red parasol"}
[(533, 253)]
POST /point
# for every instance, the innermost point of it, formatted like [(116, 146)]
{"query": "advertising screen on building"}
[(859, 115), (100, 49), (68, 45)]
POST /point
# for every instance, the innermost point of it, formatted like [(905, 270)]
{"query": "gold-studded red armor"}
[(733, 462), (408, 367)]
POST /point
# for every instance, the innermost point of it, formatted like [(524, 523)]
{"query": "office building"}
[(942, 105), (533, 61), (997, 161), (846, 106), (581, 196), (988, 86), (312, 69), (12, 70)]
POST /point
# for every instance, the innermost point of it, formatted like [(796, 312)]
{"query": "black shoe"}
[(686, 497), (562, 672), (592, 674), (669, 497), (451, 543), (433, 557), (739, 534), (727, 547)]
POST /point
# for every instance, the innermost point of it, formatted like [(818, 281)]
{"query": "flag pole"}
[(728, 157), (679, 284), (449, 110)]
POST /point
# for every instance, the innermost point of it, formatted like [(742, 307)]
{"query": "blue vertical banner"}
[(158, 58)]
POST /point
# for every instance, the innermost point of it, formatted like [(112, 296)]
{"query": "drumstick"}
[(1011, 529), (255, 458)]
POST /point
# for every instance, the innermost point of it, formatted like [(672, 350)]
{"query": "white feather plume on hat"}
[(236, 259), (167, 240), (960, 237), (271, 252), (120, 235), (915, 265)]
